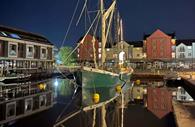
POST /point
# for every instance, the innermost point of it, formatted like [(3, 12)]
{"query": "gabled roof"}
[(172, 35), (136, 43), (187, 42), (22, 35)]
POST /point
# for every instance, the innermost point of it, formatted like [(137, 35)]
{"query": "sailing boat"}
[(99, 85)]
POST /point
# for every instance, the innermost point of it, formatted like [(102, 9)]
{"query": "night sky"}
[(51, 17)]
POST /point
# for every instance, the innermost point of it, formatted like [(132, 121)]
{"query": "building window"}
[(13, 49), (99, 50), (183, 98), (100, 44), (28, 104), (189, 54), (30, 51), (181, 55), (43, 53), (189, 47), (10, 110), (42, 100), (182, 49), (183, 91), (100, 56)]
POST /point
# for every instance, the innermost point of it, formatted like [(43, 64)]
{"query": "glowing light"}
[(56, 83)]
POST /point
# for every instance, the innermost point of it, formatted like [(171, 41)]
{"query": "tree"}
[(64, 53)]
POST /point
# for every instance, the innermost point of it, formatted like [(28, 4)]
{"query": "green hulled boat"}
[(99, 82)]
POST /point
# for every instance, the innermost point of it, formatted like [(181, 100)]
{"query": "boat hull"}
[(102, 83)]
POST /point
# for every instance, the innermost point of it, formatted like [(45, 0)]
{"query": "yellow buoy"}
[(96, 98), (118, 88), (137, 82)]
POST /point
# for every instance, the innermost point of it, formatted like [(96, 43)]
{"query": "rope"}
[(103, 111), (122, 110), (70, 22), (94, 117), (84, 6), (66, 107), (82, 41), (69, 56)]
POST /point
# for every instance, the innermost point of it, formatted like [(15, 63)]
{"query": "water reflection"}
[(62, 87)]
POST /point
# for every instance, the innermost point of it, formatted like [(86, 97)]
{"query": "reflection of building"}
[(85, 52), (182, 95), (25, 99), (159, 45), (159, 101), (23, 50)]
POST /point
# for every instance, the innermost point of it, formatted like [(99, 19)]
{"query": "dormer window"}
[(43, 53), (29, 51), (3, 33), (13, 49)]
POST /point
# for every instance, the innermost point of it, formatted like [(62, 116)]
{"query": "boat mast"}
[(104, 16), (103, 36)]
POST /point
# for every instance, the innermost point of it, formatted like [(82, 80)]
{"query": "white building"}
[(183, 49)]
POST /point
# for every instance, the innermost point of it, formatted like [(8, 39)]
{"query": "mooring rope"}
[(122, 109), (94, 117), (104, 116)]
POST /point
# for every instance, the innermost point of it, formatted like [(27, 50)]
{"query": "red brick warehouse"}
[(159, 45), (85, 50)]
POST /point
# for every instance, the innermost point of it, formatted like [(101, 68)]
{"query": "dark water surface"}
[(135, 115)]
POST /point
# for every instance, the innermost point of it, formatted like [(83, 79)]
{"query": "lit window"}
[(99, 50), (100, 55), (108, 49), (15, 36), (189, 47)]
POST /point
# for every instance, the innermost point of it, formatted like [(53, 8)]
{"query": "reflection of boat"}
[(100, 82), (15, 78)]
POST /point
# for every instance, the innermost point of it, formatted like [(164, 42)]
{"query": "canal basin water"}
[(135, 114)]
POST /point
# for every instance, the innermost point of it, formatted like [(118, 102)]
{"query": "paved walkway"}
[(184, 114)]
